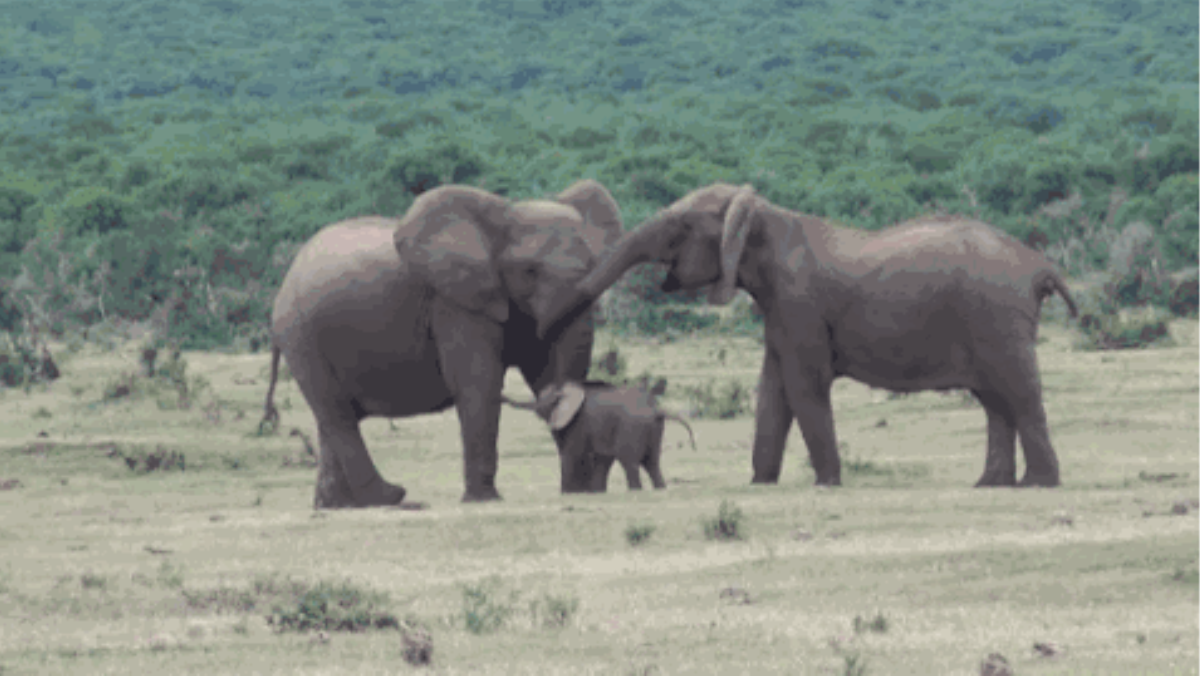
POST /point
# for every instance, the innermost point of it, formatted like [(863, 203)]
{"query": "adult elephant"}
[(387, 317), (934, 303)]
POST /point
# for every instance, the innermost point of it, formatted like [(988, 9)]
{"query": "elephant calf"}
[(595, 423)]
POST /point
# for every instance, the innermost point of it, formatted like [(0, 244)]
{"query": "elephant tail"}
[(270, 413), (1052, 283), (680, 419)]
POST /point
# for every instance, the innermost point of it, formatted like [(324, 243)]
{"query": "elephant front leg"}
[(469, 357), (632, 473), (600, 469), (808, 396), (773, 422)]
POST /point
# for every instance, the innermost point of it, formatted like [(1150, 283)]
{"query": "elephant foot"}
[(828, 481), (996, 479), (1048, 480), (378, 493), (485, 494), (765, 478)]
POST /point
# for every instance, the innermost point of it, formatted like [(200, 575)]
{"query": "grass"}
[(107, 570)]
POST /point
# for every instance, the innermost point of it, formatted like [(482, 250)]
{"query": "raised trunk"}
[(647, 243)]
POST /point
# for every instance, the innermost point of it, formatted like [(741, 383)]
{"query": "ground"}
[(906, 569)]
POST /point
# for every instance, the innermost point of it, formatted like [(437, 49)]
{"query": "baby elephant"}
[(595, 422)]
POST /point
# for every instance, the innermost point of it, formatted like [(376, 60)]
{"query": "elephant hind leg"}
[(1017, 389), (654, 454), (1000, 466), (343, 455), (633, 474)]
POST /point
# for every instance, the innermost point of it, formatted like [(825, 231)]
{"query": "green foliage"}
[(441, 160), (638, 533), (486, 607), (1122, 330), (727, 525), (721, 402), (334, 606)]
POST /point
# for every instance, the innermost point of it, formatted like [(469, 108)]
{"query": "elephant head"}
[(701, 238), (481, 252)]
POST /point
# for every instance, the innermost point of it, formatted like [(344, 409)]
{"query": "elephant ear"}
[(570, 402), (600, 212), (448, 238), (733, 241)]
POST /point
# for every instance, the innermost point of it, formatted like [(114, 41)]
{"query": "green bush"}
[(1123, 329), (727, 525), (334, 606), (637, 534), (721, 402), (486, 608)]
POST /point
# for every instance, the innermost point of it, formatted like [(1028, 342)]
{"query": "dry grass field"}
[(207, 563)]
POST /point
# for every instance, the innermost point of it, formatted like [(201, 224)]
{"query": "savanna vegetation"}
[(162, 162), (151, 531)]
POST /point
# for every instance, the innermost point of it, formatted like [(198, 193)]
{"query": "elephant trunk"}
[(647, 243)]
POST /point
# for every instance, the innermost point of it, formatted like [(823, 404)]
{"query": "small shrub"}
[(610, 366), (724, 402), (1122, 329), (334, 606), (877, 624), (636, 534), (233, 462), (161, 459), (43, 412), (553, 611), (1185, 296), (90, 580), (170, 575), (418, 646), (119, 387), (483, 608), (727, 525)]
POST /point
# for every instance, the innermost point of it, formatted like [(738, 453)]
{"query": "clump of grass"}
[(876, 625), (170, 575), (727, 525), (43, 412), (90, 580), (486, 607), (553, 611), (334, 606), (636, 534), (161, 459), (710, 400)]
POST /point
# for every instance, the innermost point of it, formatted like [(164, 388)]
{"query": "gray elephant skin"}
[(938, 302), (398, 317), (595, 423)]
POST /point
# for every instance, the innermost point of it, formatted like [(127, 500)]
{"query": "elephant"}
[(595, 423), (397, 317), (937, 302)]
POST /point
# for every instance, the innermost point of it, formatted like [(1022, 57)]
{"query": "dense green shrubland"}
[(163, 164)]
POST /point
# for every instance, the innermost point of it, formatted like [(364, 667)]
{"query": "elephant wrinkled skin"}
[(397, 317), (595, 423), (933, 303)]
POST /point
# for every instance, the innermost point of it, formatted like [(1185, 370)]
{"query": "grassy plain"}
[(104, 570)]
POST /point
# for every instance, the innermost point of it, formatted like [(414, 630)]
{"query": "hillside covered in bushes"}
[(164, 161)]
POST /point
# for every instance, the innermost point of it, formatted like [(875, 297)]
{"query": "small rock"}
[(995, 665), (319, 638), (1181, 507), (801, 535), (10, 484), (43, 434), (216, 518), (881, 423)]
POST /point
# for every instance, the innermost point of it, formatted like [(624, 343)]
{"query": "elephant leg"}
[(632, 473), (773, 422), (344, 454), (576, 460), (1020, 387), (1000, 467), (469, 356), (600, 471), (808, 396), (346, 475), (653, 455)]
